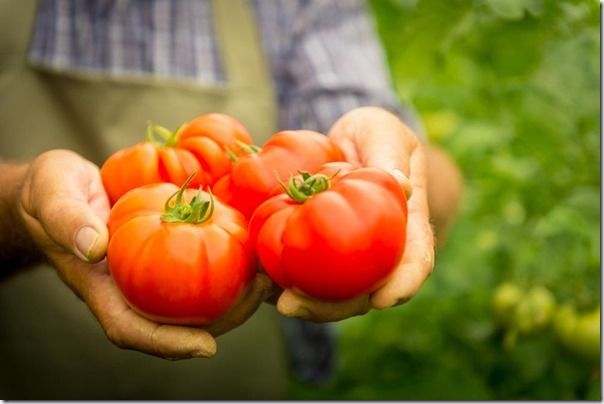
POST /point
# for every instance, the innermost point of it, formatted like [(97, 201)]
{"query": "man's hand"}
[(65, 209), (373, 137)]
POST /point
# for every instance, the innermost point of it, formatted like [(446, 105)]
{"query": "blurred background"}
[(511, 89)]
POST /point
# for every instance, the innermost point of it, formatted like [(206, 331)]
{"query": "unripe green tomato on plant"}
[(565, 321), (505, 300), (587, 335), (544, 303), (541, 306), (524, 318), (525, 312), (580, 333)]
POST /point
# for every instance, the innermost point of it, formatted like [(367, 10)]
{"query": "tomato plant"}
[(332, 236), (203, 145), (255, 176), (175, 261)]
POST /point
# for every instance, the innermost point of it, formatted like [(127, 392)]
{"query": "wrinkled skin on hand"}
[(65, 208), (373, 137)]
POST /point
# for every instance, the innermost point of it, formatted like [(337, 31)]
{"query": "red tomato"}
[(255, 177), (178, 262), (202, 145), (333, 239)]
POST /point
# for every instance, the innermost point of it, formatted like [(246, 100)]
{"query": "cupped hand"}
[(373, 137), (65, 209)]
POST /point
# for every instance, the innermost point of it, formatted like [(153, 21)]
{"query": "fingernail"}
[(300, 312), (402, 300), (403, 180), (85, 241), (207, 351), (382, 302), (288, 308)]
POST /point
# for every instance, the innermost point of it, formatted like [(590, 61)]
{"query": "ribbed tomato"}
[(178, 258), (255, 177), (334, 235), (203, 145)]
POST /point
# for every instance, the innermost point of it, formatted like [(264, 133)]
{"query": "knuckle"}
[(157, 347), (154, 338), (52, 210), (115, 335)]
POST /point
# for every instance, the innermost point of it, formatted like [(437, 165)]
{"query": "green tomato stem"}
[(248, 148), (301, 189), (231, 155), (198, 211), (161, 136)]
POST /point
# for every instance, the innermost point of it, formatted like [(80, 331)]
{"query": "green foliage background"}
[(511, 88)]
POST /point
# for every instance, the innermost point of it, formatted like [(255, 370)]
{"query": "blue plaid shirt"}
[(324, 52)]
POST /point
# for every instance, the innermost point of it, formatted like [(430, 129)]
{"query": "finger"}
[(408, 277), (291, 304), (418, 259), (347, 146), (128, 330), (64, 193), (260, 290)]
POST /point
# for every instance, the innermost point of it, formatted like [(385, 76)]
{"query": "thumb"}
[(64, 195), (71, 223), (90, 241)]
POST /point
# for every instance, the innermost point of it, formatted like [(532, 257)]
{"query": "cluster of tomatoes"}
[(526, 312), (198, 211)]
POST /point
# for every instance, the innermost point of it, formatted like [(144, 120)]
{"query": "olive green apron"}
[(51, 347)]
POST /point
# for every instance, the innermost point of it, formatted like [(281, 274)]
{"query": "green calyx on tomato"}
[(161, 136), (248, 148), (196, 211), (301, 189)]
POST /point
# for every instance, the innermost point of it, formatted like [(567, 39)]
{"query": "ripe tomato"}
[(177, 262), (203, 145), (332, 238), (255, 177)]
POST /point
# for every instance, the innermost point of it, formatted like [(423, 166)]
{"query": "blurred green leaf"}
[(509, 9)]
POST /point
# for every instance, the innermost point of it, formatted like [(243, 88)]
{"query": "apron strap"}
[(245, 65)]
